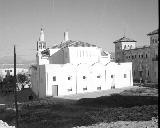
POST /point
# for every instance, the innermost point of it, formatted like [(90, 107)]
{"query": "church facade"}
[(74, 67)]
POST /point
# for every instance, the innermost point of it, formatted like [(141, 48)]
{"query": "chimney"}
[(66, 36)]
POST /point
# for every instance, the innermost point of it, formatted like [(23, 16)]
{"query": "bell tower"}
[(41, 46)]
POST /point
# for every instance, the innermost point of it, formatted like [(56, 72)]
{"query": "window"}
[(132, 57), (69, 78), (139, 56), (142, 56), (98, 88), (10, 70), (125, 75), (111, 76), (40, 46), (148, 73), (84, 89), (134, 73), (54, 78), (99, 76), (146, 55), (155, 41), (69, 90), (129, 56), (84, 77), (135, 56)]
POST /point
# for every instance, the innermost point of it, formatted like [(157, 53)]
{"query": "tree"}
[(22, 78)]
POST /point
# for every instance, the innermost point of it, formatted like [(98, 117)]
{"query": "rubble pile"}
[(5, 125)]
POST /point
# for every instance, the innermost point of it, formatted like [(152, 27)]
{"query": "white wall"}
[(118, 71), (97, 77), (83, 71), (87, 55), (61, 72), (128, 44), (77, 83)]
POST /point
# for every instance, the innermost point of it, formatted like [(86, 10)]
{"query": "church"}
[(73, 67)]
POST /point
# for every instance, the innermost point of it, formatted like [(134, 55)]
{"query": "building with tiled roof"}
[(124, 39), (71, 43), (73, 67), (144, 58), (153, 32)]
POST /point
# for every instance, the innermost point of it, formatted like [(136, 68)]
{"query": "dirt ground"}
[(135, 107)]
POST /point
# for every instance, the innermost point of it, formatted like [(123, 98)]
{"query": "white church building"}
[(73, 67)]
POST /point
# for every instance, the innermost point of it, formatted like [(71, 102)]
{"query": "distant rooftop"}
[(25, 66), (124, 39), (71, 43), (153, 32)]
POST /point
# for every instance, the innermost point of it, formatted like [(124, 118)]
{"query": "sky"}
[(98, 22)]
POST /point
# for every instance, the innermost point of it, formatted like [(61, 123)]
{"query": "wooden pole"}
[(15, 91)]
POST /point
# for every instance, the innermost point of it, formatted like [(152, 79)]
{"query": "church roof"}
[(71, 43), (153, 32), (124, 39)]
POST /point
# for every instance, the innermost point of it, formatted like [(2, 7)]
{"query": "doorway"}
[(54, 90)]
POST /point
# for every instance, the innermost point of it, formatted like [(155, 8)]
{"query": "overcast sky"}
[(98, 22)]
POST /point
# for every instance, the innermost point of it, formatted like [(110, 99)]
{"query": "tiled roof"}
[(153, 32), (71, 43), (124, 39)]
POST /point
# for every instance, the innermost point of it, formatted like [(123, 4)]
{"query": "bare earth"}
[(134, 107)]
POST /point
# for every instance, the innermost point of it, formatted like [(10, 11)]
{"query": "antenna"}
[(124, 32)]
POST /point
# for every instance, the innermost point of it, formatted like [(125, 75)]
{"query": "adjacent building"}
[(144, 59), (73, 67), (8, 69)]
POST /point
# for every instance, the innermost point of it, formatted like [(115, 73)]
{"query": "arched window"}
[(146, 55), (142, 56)]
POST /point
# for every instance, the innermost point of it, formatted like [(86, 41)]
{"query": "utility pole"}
[(15, 89)]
